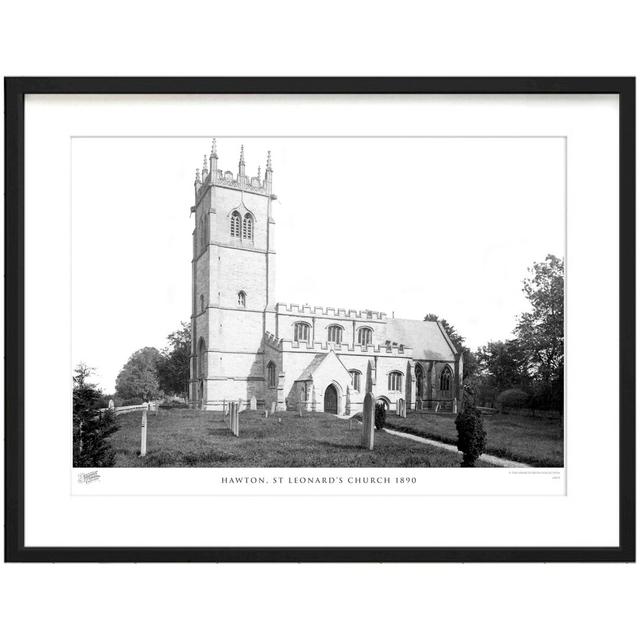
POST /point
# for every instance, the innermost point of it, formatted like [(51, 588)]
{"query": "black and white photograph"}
[(251, 302)]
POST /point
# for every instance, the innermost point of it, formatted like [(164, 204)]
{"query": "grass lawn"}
[(184, 438), (535, 441)]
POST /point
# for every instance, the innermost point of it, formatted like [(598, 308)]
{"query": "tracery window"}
[(356, 379), (301, 331), (445, 379), (271, 374), (247, 227), (395, 381), (334, 333), (365, 335), (235, 225)]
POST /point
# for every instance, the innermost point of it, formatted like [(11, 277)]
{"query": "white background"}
[(489, 38)]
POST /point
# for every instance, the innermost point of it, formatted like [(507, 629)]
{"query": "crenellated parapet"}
[(271, 340), (212, 176), (330, 312), (245, 183)]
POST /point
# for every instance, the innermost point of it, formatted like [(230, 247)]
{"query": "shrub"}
[(380, 416), (471, 435), (513, 399), (91, 427)]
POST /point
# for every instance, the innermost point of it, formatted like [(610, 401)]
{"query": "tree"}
[(540, 332), (469, 362), (139, 376), (91, 427), (504, 364), (173, 366)]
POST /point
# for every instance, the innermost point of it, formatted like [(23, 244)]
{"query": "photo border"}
[(15, 91)]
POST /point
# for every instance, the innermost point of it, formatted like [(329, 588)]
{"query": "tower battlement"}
[(210, 175)]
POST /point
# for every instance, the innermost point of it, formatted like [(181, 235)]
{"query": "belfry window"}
[(334, 333), (271, 374), (201, 302), (301, 332), (395, 381), (445, 379), (247, 227), (364, 335), (356, 378), (242, 299), (235, 225)]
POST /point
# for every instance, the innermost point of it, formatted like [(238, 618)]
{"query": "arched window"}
[(202, 355), (364, 335), (201, 302), (419, 380), (242, 299), (356, 379), (334, 333), (247, 227), (235, 225), (395, 381), (445, 379), (271, 374), (301, 332)]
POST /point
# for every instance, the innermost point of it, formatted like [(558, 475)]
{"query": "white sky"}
[(404, 225)]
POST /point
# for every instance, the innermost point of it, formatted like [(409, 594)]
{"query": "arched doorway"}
[(331, 399)]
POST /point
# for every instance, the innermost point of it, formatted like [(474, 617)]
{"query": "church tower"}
[(233, 277)]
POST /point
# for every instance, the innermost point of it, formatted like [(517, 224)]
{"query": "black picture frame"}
[(15, 91)]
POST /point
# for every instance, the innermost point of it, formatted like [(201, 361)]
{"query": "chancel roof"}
[(427, 338)]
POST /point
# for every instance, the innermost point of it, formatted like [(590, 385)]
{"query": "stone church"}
[(245, 344)]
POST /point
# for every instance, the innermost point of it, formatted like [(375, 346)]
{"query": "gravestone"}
[(437, 407), (253, 404), (143, 434), (273, 408), (402, 408), (266, 413), (455, 405), (231, 412), (235, 425), (368, 420), (240, 405), (112, 405), (225, 407)]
